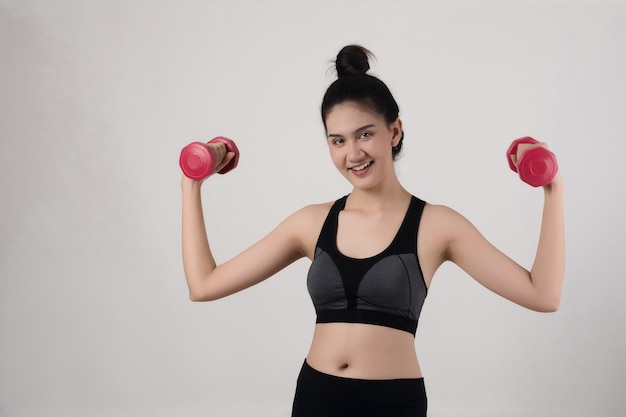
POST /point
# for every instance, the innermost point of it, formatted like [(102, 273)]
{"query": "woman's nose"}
[(355, 152)]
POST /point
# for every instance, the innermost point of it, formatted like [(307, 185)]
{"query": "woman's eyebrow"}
[(336, 135)]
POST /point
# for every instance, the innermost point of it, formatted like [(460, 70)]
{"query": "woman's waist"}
[(363, 351)]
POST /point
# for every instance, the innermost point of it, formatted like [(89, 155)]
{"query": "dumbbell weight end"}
[(197, 161), (536, 167)]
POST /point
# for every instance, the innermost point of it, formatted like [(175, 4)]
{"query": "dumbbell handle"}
[(197, 161), (536, 166)]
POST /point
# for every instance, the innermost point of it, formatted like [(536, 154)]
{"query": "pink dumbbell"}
[(196, 159), (537, 166)]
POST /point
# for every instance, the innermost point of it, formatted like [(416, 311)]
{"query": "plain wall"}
[(98, 97)]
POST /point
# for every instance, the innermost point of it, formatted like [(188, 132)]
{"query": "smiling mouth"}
[(362, 166)]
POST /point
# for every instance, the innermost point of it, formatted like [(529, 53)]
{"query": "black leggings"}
[(319, 394)]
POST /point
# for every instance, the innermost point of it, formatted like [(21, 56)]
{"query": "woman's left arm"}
[(548, 270), (538, 289)]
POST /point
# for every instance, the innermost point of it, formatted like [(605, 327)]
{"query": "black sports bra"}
[(387, 289)]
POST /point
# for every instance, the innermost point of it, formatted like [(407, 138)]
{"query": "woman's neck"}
[(378, 199)]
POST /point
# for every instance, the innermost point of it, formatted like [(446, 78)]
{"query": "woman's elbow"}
[(553, 307), (549, 304), (200, 296), (194, 297)]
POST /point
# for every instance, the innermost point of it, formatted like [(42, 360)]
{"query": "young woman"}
[(374, 253)]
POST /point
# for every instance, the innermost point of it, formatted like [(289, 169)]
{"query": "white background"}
[(98, 97)]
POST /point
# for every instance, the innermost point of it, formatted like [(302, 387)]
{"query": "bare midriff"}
[(363, 351)]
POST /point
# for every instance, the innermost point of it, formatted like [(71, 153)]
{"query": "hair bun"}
[(352, 60)]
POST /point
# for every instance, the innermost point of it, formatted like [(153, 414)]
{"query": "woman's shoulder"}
[(306, 223), (439, 209), (440, 217), (313, 212)]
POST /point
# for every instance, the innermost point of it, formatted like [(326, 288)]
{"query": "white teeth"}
[(362, 166)]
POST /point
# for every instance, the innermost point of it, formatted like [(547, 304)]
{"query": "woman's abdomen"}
[(363, 351)]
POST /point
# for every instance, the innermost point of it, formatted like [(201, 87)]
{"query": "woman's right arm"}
[(207, 280)]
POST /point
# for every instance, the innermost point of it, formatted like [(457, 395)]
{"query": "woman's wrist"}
[(189, 184), (555, 186)]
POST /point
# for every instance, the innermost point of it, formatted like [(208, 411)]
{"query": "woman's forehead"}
[(351, 115)]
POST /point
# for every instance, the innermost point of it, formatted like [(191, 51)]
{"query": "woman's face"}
[(360, 142)]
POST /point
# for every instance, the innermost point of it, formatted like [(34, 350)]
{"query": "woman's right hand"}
[(221, 157), (220, 153)]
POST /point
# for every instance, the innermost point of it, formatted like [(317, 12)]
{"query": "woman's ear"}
[(396, 129)]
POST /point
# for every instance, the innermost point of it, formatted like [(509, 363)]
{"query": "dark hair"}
[(354, 84)]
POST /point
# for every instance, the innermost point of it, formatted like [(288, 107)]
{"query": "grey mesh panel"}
[(394, 285), (324, 283)]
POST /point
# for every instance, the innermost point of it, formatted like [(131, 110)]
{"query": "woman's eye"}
[(365, 135), (337, 141)]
